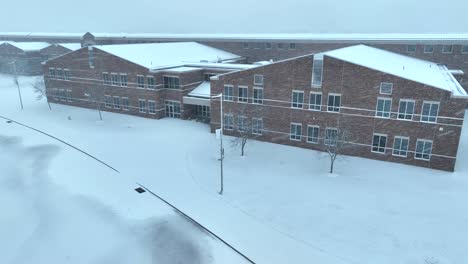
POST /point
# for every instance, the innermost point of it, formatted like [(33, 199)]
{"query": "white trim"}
[(230, 96), (263, 80), (391, 88), (407, 147), (139, 106), (430, 108), (128, 106), (154, 110), (383, 110), (120, 102), (290, 135), (320, 105), (292, 99), (449, 52), (307, 136), (406, 108), (243, 98), (422, 153), (328, 100), (253, 95)]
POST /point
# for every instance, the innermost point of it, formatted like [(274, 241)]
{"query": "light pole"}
[(221, 150)]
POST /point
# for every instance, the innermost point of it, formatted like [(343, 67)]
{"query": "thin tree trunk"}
[(331, 164)]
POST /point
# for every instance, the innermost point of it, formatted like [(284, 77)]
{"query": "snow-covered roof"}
[(202, 90), (30, 46), (406, 67), (71, 46), (182, 69), (158, 55)]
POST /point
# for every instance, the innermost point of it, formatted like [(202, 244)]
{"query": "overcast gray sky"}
[(235, 16)]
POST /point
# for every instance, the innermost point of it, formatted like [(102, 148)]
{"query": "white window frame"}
[(54, 76), (297, 103), (141, 85), (228, 98), (149, 108), (140, 108), (125, 107), (152, 86), (406, 108), (424, 141), (117, 80), (259, 76), (119, 100), (107, 100), (126, 80), (386, 83), (293, 136), (225, 124), (432, 49), (314, 65), (256, 100), (400, 150), (108, 81), (379, 147), (383, 112), (447, 52), (326, 140), (313, 95), (69, 95), (255, 127), (333, 107), (429, 116), (412, 45), (317, 141), (174, 77), (244, 122), (243, 99)]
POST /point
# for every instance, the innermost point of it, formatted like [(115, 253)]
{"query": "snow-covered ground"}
[(279, 205)]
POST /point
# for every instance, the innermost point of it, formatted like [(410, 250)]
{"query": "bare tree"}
[(40, 90), (249, 125), (96, 95), (336, 141)]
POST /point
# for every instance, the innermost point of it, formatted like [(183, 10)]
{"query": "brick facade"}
[(359, 89)]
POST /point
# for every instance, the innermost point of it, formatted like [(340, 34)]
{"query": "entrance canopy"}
[(200, 95)]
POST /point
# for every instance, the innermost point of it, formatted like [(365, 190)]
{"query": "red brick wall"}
[(359, 89)]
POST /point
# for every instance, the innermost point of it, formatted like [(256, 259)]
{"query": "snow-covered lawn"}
[(279, 205)]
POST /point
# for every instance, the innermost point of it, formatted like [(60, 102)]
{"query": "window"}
[(115, 79), (245, 45), (313, 134), (428, 49), (242, 125), (123, 79), (423, 149), (140, 81), (430, 111), (51, 73), (257, 126), (281, 46), (106, 78), (228, 122), (384, 106), (315, 101), (406, 109), (208, 76), (66, 74), (116, 102), (411, 48), (386, 88), (125, 103), (62, 95), (292, 46), (268, 45), (203, 111), (91, 57), (379, 142), (171, 82), (334, 103), (108, 101), (228, 93), (258, 79), (400, 146), (151, 107), (317, 70), (243, 94), (142, 105), (258, 45), (464, 49), (447, 48), (297, 99), (258, 95), (69, 95), (150, 81), (296, 132), (172, 109), (59, 73), (331, 135)]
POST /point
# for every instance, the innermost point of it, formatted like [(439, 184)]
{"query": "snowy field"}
[(279, 205)]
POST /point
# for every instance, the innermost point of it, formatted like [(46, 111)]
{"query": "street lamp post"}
[(221, 150)]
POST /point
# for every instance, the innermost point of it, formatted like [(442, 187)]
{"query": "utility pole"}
[(221, 145), (17, 83)]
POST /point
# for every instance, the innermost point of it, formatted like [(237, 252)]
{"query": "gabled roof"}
[(406, 67), (158, 55), (30, 46), (70, 46)]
